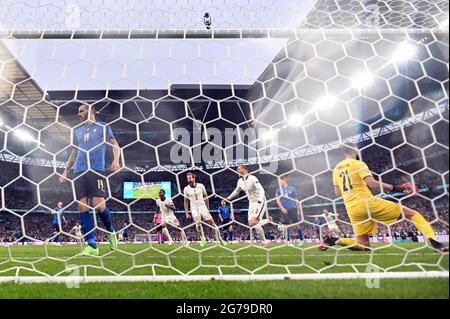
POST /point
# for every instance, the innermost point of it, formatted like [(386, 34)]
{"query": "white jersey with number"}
[(196, 196), (167, 213), (252, 188)]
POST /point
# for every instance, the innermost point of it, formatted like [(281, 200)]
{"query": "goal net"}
[(276, 86)]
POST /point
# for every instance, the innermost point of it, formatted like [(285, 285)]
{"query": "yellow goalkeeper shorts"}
[(368, 213)]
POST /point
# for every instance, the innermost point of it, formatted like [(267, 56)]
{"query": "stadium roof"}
[(92, 64), (230, 14), (31, 69), (159, 14), (18, 87)]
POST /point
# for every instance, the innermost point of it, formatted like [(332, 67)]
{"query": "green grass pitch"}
[(156, 259), (147, 192)]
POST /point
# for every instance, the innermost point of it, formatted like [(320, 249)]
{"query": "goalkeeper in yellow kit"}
[(353, 181)]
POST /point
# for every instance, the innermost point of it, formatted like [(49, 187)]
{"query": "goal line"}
[(184, 278)]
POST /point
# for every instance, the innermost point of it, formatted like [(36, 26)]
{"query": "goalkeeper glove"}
[(405, 188)]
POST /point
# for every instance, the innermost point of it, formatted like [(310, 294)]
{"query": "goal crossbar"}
[(195, 33)]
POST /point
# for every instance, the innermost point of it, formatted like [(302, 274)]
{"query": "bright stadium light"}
[(362, 80), (295, 120), (1, 123), (270, 134), (24, 135), (326, 102), (404, 52), (444, 24)]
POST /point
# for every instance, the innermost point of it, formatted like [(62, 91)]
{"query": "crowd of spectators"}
[(38, 224), (38, 190)]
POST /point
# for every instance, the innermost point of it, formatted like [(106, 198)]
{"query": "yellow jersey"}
[(349, 176)]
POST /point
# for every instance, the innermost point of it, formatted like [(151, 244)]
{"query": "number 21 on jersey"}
[(346, 181)]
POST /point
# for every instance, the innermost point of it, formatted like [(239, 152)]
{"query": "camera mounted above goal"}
[(207, 20)]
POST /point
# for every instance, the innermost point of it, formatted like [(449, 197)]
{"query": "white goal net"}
[(204, 87)]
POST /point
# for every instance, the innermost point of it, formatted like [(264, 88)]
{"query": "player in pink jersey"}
[(157, 220)]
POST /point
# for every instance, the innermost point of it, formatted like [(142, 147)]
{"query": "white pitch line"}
[(137, 278)]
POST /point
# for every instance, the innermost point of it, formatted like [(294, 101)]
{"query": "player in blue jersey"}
[(125, 232), (225, 218), (287, 200), (58, 217), (88, 161)]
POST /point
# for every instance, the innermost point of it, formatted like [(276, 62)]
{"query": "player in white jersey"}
[(196, 196), (77, 232), (330, 219), (123, 234), (256, 198), (167, 208)]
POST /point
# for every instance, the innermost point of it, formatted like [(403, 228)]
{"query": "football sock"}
[(260, 231), (166, 232), (105, 216), (217, 233), (423, 226), (183, 237), (86, 227), (199, 228), (300, 234)]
